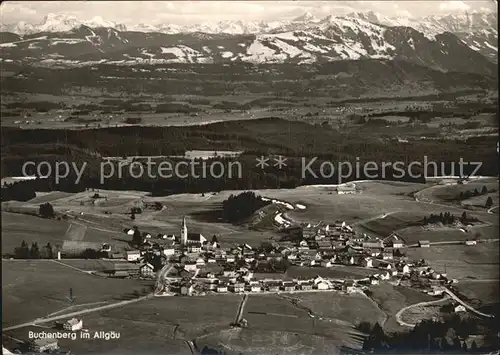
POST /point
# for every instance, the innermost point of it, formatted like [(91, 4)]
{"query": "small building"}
[(424, 243), (147, 270), (460, 308), (73, 324), (274, 287), (306, 286), (168, 251), (106, 248), (255, 288), (322, 285), (222, 288), (367, 262), (346, 189), (133, 255), (194, 247), (43, 345), (190, 266), (288, 286), (470, 242), (187, 289)]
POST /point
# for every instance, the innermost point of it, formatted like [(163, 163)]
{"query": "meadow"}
[(461, 262), (36, 288)]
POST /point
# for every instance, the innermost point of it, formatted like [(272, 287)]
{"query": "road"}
[(428, 303), (473, 310), (451, 242), (380, 216), (241, 308), (490, 210), (161, 276)]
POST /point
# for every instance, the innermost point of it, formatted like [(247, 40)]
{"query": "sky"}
[(189, 12)]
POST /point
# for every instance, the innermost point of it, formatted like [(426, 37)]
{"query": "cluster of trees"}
[(26, 252), (237, 208), (18, 191), (468, 194), (46, 210), (448, 218), (433, 336), (273, 266)]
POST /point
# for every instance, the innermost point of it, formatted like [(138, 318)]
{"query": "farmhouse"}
[(187, 289), (470, 242), (459, 308), (345, 189), (43, 345), (147, 270), (73, 324), (133, 255), (424, 244), (394, 241)]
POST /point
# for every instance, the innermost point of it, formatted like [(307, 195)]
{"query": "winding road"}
[(428, 303)]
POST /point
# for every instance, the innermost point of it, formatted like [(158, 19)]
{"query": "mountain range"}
[(461, 42)]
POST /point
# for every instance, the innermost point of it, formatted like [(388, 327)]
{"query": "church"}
[(190, 238)]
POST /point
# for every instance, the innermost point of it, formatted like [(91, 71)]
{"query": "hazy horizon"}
[(195, 12)]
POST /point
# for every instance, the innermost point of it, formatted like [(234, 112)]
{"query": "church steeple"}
[(184, 231)]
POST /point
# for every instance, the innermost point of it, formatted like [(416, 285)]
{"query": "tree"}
[(46, 210), (473, 346), (137, 237), (464, 217), (484, 190), (34, 251), (132, 216), (214, 239), (23, 252), (489, 202), (50, 252)]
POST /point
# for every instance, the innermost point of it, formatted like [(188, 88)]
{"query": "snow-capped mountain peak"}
[(306, 17)]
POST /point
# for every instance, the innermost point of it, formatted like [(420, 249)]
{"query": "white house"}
[(73, 324), (168, 251), (470, 242), (367, 262), (222, 288), (406, 269), (130, 232), (133, 255), (190, 267), (322, 285), (460, 308), (255, 288)]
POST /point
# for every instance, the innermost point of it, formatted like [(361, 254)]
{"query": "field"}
[(352, 309), (415, 315), (17, 227), (481, 294), (33, 289), (461, 262), (276, 324), (391, 299)]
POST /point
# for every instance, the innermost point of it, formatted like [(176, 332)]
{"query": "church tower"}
[(184, 232)]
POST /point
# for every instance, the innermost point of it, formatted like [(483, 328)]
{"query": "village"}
[(191, 264)]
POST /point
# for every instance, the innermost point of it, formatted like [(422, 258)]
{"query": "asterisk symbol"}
[(262, 162), (280, 162)]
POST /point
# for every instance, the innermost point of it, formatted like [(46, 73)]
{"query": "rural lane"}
[(473, 310), (428, 303), (241, 308)]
